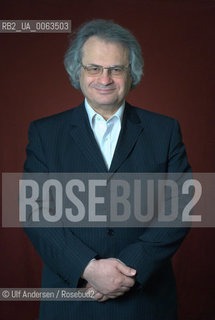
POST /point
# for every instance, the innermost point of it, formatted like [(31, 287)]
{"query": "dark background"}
[(177, 39)]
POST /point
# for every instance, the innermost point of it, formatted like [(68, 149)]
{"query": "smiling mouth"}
[(105, 91)]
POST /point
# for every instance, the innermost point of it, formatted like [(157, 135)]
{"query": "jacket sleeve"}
[(158, 244), (62, 251)]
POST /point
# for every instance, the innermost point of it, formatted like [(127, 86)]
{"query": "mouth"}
[(105, 91)]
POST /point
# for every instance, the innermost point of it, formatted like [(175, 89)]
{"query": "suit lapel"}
[(131, 130), (82, 134)]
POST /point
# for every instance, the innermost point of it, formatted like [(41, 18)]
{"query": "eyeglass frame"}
[(124, 68)]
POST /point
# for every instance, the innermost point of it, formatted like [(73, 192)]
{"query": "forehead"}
[(98, 51)]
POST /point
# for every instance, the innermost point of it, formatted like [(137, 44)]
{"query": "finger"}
[(124, 289), (98, 295), (112, 297), (115, 295), (128, 282), (119, 291), (104, 298), (120, 261), (127, 271)]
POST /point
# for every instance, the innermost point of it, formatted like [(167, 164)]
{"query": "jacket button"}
[(110, 232)]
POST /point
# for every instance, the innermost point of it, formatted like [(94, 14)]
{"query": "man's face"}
[(104, 91)]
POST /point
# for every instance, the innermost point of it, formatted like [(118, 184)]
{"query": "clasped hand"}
[(109, 278)]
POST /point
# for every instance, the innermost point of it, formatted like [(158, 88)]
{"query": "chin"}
[(105, 101), (107, 104)]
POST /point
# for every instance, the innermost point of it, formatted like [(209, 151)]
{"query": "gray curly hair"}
[(106, 30)]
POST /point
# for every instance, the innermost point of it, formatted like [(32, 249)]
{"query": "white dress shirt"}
[(106, 132)]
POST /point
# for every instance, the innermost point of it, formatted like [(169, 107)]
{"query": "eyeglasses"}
[(95, 70)]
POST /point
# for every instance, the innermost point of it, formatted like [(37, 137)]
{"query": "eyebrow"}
[(99, 65)]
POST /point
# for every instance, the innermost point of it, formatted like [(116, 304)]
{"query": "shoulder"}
[(152, 119), (146, 114), (56, 121), (58, 117)]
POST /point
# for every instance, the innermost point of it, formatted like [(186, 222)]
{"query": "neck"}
[(106, 111)]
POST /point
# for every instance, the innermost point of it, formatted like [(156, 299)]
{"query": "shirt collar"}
[(92, 113)]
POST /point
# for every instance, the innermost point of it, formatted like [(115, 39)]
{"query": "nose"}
[(105, 78)]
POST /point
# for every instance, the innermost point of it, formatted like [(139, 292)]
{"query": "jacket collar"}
[(82, 134)]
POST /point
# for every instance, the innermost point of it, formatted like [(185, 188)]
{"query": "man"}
[(129, 269)]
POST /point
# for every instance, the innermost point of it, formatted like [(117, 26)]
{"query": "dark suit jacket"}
[(148, 142)]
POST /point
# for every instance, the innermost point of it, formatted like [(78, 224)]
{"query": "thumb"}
[(127, 271), (88, 285)]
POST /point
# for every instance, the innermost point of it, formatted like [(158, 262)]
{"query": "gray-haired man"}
[(129, 269)]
